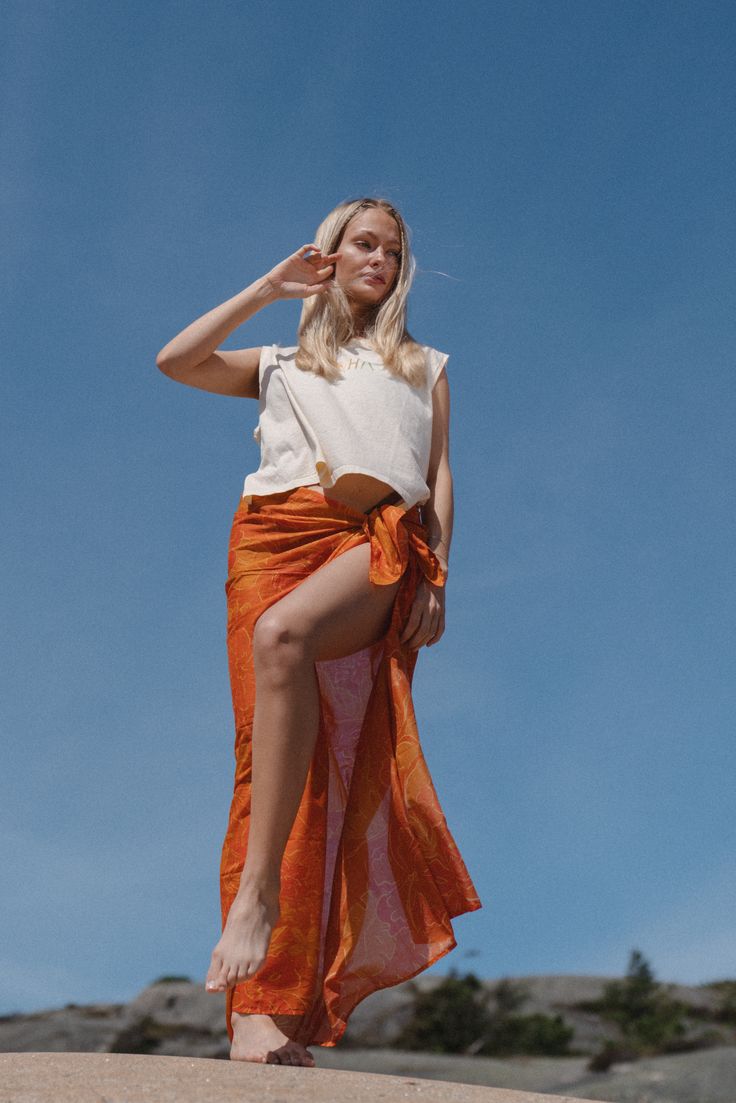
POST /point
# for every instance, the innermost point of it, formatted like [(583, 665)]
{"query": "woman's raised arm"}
[(190, 357), (193, 356)]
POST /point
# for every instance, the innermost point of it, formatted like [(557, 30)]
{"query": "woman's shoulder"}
[(431, 350), (283, 357), (278, 352), (277, 347), (436, 361), (357, 343)]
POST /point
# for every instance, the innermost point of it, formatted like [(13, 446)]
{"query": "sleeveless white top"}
[(311, 429)]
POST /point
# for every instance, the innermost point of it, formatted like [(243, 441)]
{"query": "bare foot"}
[(244, 944), (258, 1038)]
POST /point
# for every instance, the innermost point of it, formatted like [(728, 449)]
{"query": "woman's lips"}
[(374, 279)]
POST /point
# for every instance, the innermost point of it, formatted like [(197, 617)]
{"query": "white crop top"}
[(311, 429)]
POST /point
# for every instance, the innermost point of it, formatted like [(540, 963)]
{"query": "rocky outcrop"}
[(178, 1018), (88, 1029)]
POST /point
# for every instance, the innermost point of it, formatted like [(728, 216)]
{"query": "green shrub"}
[(454, 1017), (509, 996), (643, 1011), (649, 1020), (448, 1019), (533, 1035), (726, 1013)]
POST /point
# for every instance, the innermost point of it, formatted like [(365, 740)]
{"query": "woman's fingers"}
[(426, 621), (420, 627), (299, 275), (317, 256), (312, 249), (318, 266), (411, 625)]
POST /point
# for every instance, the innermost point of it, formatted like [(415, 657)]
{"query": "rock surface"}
[(124, 1078), (179, 1019), (704, 1076)]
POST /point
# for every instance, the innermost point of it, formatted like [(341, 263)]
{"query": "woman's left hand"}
[(426, 621)]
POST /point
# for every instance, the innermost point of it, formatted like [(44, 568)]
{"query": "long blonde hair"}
[(326, 322)]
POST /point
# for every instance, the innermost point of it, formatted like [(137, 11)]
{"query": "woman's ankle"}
[(266, 889)]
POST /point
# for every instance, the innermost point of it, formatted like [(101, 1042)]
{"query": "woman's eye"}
[(392, 252)]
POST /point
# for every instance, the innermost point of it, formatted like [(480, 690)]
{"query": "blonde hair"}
[(326, 322)]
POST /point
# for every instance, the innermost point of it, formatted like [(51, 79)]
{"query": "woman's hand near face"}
[(194, 357), (299, 275), (426, 621)]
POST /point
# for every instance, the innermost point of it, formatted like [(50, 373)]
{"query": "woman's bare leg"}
[(334, 612)]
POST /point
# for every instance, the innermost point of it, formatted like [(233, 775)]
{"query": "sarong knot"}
[(396, 537)]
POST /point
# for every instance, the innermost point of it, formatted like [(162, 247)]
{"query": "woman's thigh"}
[(334, 612)]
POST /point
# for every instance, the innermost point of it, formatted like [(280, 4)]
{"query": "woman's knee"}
[(278, 642)]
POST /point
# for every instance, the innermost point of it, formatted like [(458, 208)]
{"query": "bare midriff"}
[(360, 492)]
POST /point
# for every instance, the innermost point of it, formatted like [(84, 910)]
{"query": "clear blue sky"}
[(567, 172)]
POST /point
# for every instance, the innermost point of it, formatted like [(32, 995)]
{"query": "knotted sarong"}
[(371, 875)]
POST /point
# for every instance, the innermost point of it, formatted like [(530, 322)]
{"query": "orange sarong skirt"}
[(371, 875)]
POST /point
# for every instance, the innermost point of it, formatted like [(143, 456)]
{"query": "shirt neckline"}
[(362, 350)]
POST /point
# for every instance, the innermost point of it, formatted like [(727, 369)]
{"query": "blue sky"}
[(566, 170)]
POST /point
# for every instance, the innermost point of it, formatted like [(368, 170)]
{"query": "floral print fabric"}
[(371, 875)]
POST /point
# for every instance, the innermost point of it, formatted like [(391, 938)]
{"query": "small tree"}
[(509, 996), (647, 1017), (449, 1018)]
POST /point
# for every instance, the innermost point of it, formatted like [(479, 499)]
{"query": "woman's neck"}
[(362, 322), (359, 329)]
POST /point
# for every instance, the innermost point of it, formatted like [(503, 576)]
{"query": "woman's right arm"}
[(190, 357), (193, 356)]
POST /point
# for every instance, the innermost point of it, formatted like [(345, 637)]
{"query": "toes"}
[(285, 1055), (215, 966), (298, 1054), (236, 974), (215, 981)]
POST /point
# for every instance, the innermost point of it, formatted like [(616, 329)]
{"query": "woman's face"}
[(369, 256)]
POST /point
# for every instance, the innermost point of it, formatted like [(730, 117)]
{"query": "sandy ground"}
[(122, 1078)]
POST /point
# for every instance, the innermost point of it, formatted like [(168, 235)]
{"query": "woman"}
[(339, 875)]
